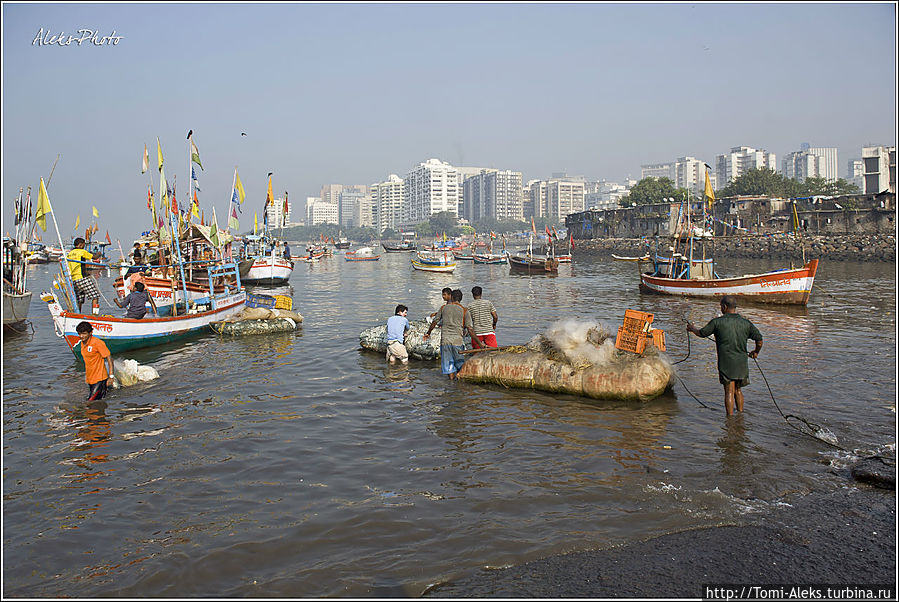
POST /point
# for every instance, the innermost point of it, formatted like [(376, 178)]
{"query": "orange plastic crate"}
[(629, 340), (658, 338), (637, 320)]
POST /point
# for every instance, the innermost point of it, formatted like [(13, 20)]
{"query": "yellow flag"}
[(96, 213), (77, 221), (269, 197), (240, 192), (43, 207), (255, 222), (709, 193), (159, 153)]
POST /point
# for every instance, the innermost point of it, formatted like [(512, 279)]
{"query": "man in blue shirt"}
[(397, 325)]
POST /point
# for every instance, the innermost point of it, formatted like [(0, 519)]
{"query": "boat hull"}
[(399, 248), (433, 266), (372, 258), (121, 334), (785, 287), (497, 259), (533, 266), (15, 307), (268, 270)]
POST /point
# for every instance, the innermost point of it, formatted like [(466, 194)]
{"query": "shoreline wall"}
[(858, 247)]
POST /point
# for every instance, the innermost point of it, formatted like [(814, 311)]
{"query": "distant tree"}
[(445, 221), (389, 234), (821, 186), (652, 190), (762, 182)]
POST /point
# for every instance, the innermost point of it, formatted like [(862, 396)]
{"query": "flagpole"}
[(64, 264), (231, 199)]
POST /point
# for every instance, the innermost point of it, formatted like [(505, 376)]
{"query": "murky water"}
[(299, 465)]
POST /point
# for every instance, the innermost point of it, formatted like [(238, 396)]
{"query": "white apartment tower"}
[(557, 197), (658, 170), (430, 188), (880, 169), (495, 194), (353, 201), (810, 162), (388, 200), (319, 211), (739, 160), (855, 173), (275, 213)]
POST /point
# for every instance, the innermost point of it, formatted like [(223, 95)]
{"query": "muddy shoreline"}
[(844, 537)]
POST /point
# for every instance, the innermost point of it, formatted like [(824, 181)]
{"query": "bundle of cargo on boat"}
[(259, 320), (375, 339), (129, 372), (575, 358)]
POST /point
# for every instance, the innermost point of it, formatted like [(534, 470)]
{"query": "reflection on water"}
[(297, 465)]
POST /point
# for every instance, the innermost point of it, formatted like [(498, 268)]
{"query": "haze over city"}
[(350, 93)]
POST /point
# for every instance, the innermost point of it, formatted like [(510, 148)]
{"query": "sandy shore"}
[(844, 537)]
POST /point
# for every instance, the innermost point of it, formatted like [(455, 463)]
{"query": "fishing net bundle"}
[(375, 339), (574, 357)]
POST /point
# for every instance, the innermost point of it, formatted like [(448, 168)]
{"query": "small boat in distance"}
[(403, 247), (361, 254), (494, 258), (434, 261)]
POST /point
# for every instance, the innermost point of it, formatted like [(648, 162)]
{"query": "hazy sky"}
[(350, 93)]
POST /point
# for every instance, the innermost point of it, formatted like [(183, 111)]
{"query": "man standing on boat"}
[(731, 332), (454, 320), (483, 318), (85, 286)]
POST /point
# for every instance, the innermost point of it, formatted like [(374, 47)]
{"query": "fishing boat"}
[(16, 296), (361, 254), (121, 334), (680, 276), (526, 263), (492, 258), (431, 261), (264, 262), (463, 255), (692, 274), (342, 242), (403, 247)]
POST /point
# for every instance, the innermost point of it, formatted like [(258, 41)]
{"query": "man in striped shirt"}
[(483, 318)]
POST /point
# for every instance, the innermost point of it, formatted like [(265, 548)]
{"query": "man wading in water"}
[(454, 320), (731, 332)]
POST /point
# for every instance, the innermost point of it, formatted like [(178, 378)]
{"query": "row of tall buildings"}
[(475, 193)]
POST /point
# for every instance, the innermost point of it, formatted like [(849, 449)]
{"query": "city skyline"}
[(353, 93)]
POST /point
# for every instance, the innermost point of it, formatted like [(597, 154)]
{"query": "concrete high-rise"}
[(432, 187), (388, 198), (494, 194), (740, 159), (319, 211), (880, 169)]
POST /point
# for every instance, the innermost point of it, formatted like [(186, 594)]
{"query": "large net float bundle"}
[(375, 339), (262, 315), (578, 359)]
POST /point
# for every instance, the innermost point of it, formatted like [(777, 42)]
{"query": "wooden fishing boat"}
[(495, 258), (263, 261), (16, 296), (442, 261), (361, 254), (121, 334), (463, 255), (786, 286), (533, 264), (403, 247)]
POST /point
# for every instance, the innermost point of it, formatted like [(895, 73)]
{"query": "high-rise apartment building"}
[(275, 212), (319, 211), (604, 195), (740, 159), (855, 173), (430, 188), (685, 172), (492, 193), (657, 170), (349, 200), (808, 162), (388, 200), (535, 198), (880, 169)]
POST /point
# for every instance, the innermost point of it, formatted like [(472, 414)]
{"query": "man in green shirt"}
[(731, 332)]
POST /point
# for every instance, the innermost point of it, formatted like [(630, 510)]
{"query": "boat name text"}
[(780, 282), (91, 36)]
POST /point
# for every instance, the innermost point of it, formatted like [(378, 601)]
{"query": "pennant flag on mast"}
[(255, 222), (233, 224), (194, 153), (214, 232), (241, 195), (268, 196), (709, 193), (109, 242), (145, 164), (77, 221), (533, 227), (571, 240), (96, 213), (195, 206), (286, 209), (159, 154), (43, 207)]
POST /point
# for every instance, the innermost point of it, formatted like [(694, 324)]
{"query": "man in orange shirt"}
[(94, 352)]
